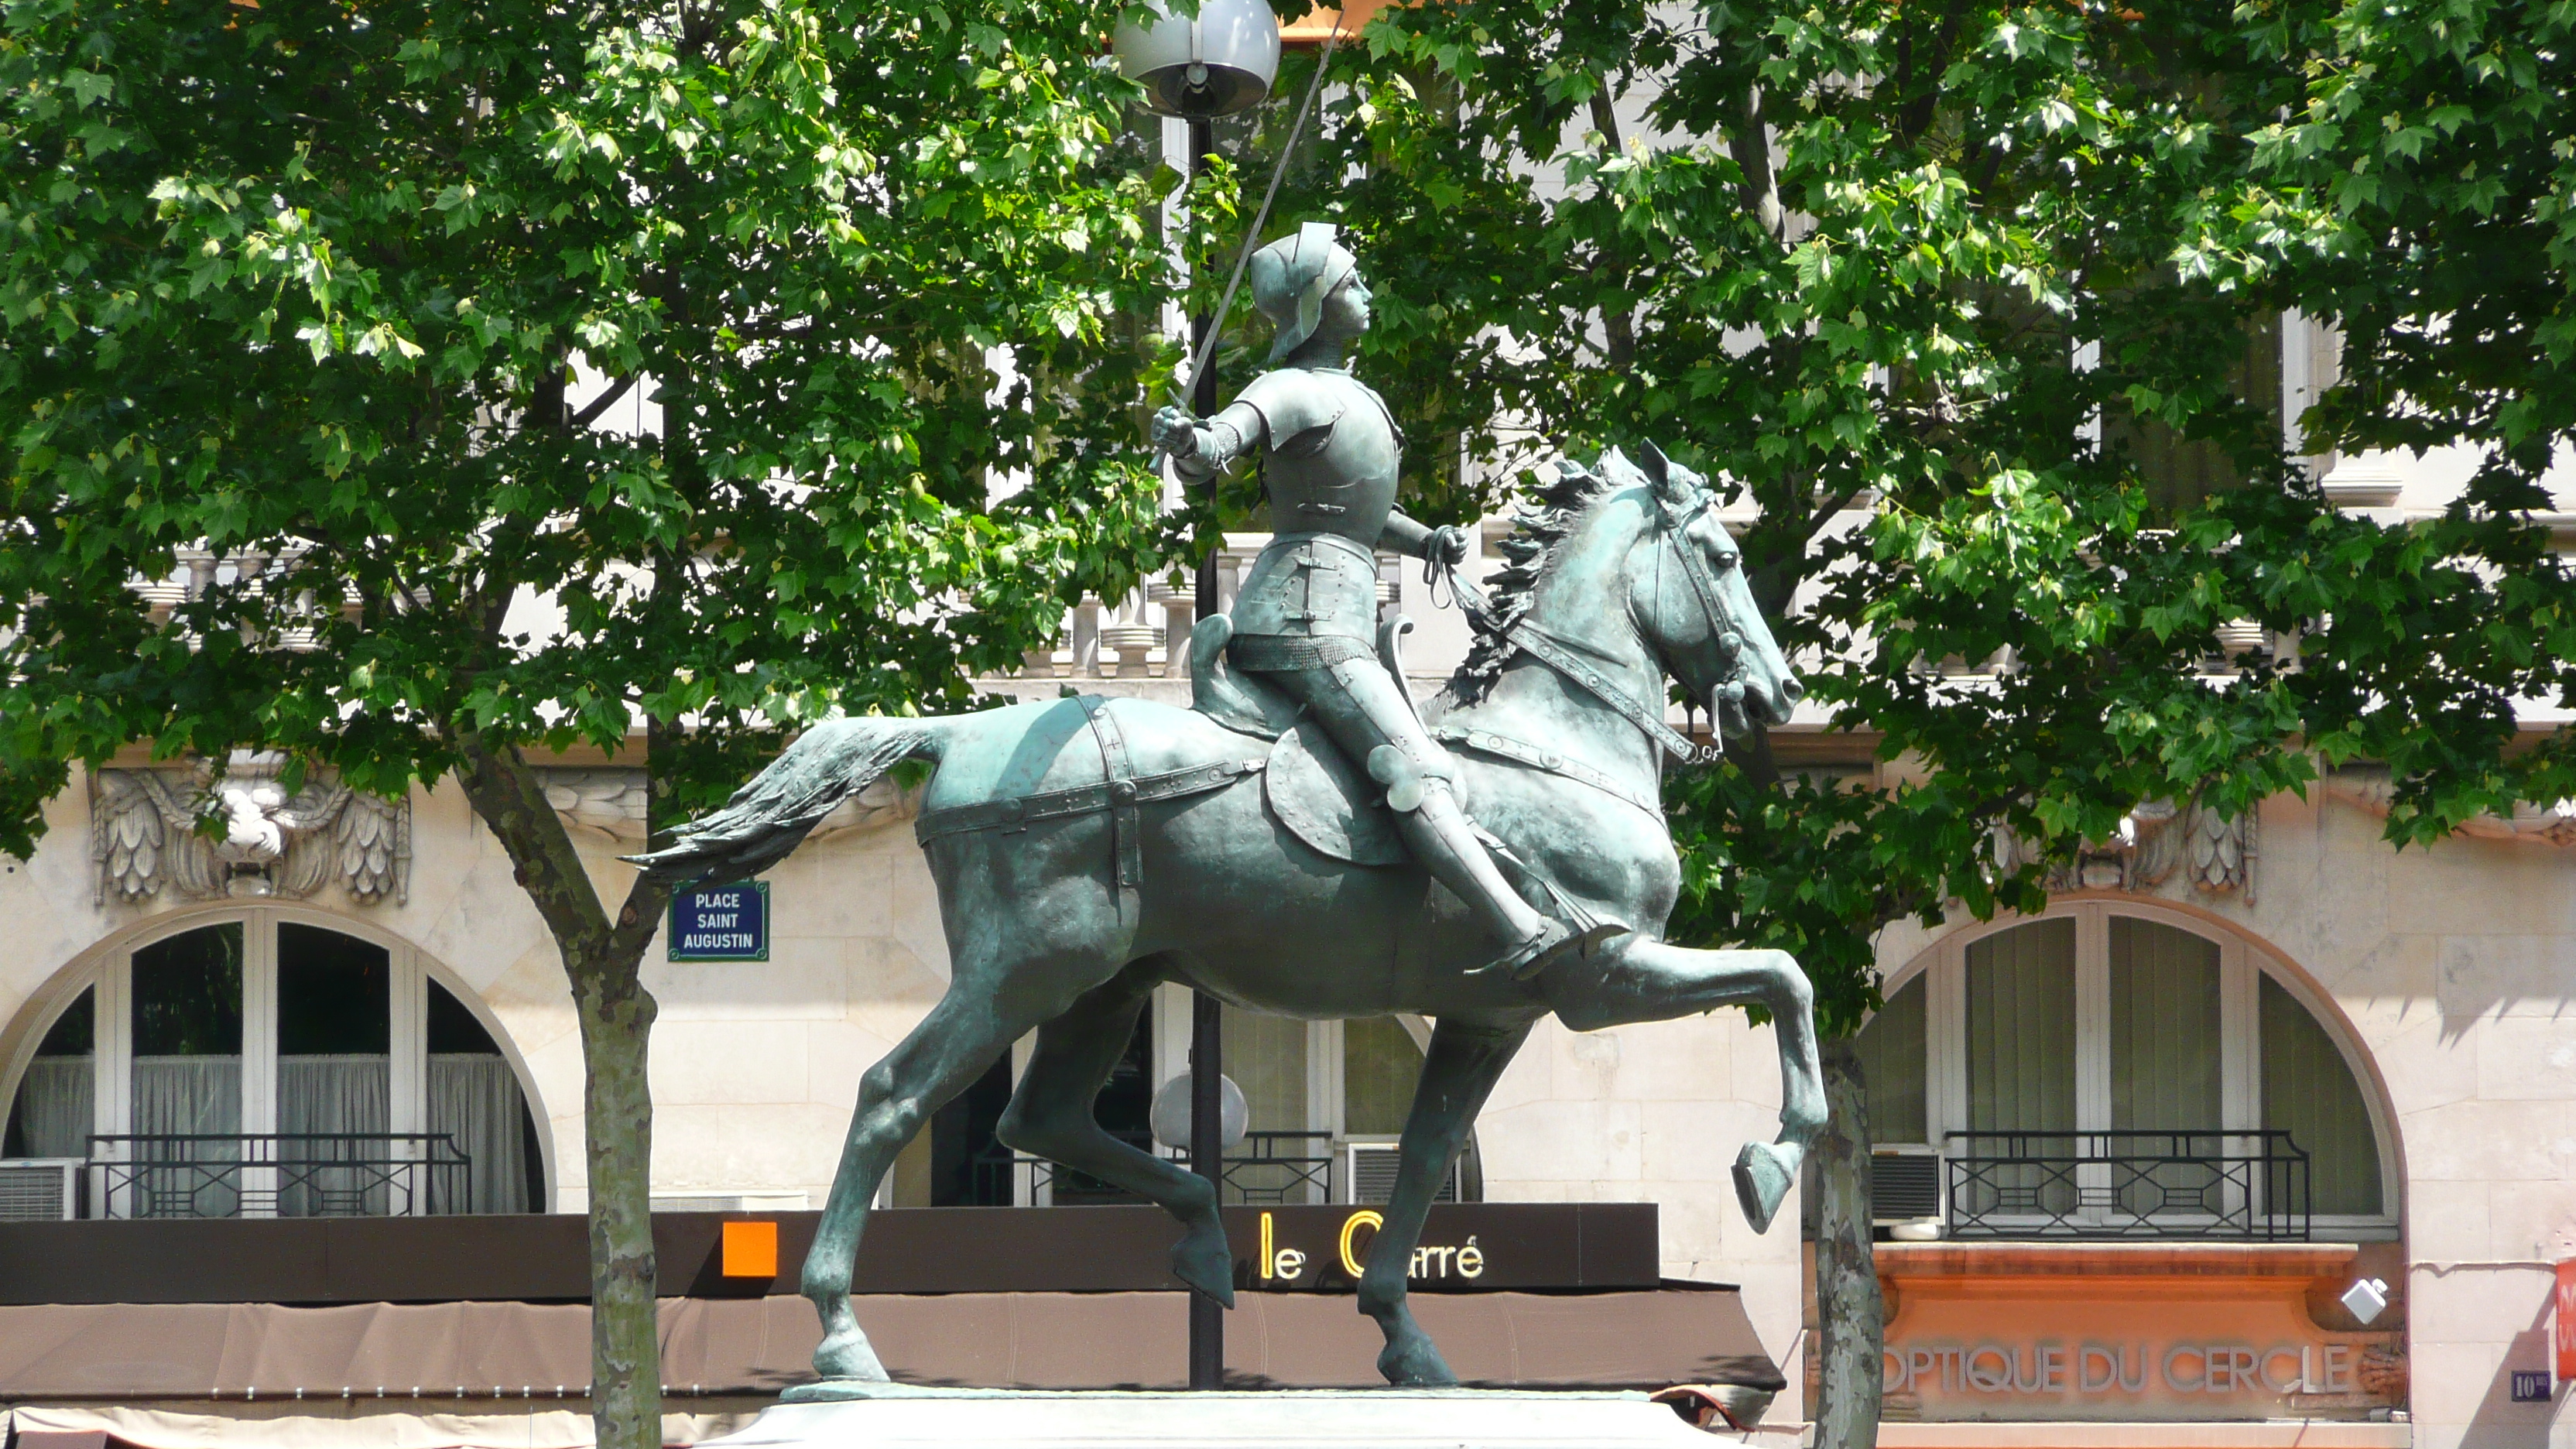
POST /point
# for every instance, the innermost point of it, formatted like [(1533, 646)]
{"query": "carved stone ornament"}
[(2373, 790), (2214, 852), (143, 834)]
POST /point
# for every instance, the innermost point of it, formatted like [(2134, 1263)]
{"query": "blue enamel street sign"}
[(721, 923), (2530, 1386)]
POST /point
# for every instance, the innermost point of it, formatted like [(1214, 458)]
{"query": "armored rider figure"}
[(1306, 615)]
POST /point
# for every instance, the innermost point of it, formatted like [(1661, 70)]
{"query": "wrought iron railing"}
[(2026, 1185), (1002, 1176), (1275, 1169), (1267, 1169), (279, 1174)]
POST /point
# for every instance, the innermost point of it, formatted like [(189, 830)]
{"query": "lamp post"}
[(1200, 67)]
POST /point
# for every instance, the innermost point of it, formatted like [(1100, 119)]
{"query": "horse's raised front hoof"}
[(1762, 1177), (845, 1354), (1202, 1260), (1410, 1362)]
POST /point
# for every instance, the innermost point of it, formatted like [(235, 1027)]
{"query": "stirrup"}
[(1554, 940)]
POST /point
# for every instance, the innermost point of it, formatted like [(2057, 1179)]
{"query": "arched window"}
[(2111, 1068), (269, 1065)]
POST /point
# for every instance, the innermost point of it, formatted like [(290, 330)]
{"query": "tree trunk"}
[(602, 961), (617, 1125), (1849, 1309)]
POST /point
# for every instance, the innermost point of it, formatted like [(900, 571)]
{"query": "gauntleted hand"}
[(1176, 431), (1447, 545)]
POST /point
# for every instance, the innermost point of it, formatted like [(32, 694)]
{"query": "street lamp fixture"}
[(1215, 63)]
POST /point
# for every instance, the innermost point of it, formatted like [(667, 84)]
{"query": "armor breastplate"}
[(1330, 463), (1314, 584)]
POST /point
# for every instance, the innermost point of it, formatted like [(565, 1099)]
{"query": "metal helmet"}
[(1292, 276)]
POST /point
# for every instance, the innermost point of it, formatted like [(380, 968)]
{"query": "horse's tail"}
[(773, 814)]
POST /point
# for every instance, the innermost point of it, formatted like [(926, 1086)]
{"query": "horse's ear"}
[(1672, 485)]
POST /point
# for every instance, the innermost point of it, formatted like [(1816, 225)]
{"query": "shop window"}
[(2102, 1032), (267, 1066)]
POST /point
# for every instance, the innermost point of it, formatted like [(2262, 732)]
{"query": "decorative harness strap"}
[(1119, 792), (1522, 752), (1026, 810)]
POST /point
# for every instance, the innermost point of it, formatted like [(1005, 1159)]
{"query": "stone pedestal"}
[(899, 1416)]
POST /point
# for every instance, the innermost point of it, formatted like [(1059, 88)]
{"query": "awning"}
[(483, 1351), (49, 1427)]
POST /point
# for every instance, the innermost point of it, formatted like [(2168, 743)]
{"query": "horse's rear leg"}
[(1457, 1074), (951, 1047), (1050, 1116)]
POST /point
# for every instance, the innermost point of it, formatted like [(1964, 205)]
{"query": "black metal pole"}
[(1207, 1014)]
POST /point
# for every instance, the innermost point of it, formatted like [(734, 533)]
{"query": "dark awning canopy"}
[(1645, 1339)]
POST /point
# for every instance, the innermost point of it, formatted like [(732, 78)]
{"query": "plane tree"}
[(1966, 304), (345, 298)]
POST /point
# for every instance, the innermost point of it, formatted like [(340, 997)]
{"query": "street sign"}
[(721, 923), (2531, 1386)]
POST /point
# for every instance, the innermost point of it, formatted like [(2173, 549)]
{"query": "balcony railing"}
[(278, 1174), (1267, 1169), (2252, 1186)]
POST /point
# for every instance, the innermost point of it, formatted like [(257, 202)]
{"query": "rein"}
[(1528, 638)]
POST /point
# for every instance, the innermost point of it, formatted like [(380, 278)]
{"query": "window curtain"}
[(1380, 1066), (338, 1093), (179, 1096), (475, 1099), (2021, 1065), (1890, 1048), (2164, 1062), (2308, 1090), (55, 1111), (1266, 1057)]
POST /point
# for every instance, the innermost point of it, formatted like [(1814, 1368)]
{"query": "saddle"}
[(1309, 786)]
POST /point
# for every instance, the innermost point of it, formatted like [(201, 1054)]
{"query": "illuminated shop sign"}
[(1465, 1247)]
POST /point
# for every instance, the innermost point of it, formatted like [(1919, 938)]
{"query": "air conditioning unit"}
[(1906, 1184), (728, 1202), (1368, 1174), (40, 1189)]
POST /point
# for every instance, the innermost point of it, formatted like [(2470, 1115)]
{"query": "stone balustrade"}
[(1146, 634)]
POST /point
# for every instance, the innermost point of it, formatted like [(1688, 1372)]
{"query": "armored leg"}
[(1367, 715)]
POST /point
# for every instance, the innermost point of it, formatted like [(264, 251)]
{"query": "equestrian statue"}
[(1306, 840)]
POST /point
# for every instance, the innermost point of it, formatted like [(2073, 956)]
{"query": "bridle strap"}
[(1528, 638), (1547, 649)]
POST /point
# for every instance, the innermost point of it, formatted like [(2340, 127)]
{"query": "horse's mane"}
[(1548, 515)]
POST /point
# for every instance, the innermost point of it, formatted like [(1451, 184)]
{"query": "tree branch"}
[(1749, 142), (506, 793), (1618, 325)]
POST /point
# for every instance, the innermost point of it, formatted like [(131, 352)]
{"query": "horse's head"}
[(1693, 603)]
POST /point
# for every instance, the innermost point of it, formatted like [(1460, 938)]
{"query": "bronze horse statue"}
[(1088, 850)]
